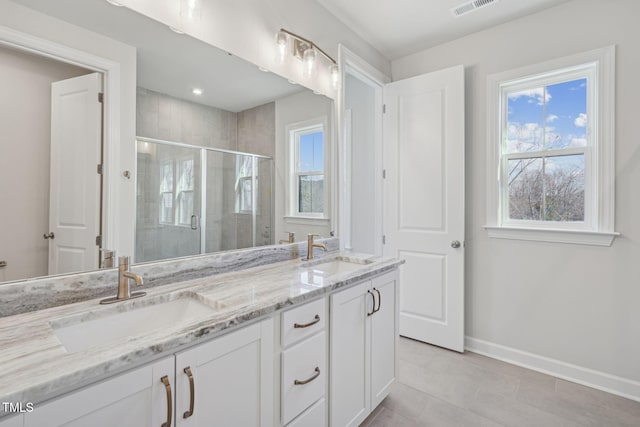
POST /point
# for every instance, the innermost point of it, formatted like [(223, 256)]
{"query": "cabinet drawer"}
[(312, 417), (306, 318), (306, 363)]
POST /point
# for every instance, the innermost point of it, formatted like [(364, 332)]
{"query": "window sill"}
[(305, 219), (575, 237)]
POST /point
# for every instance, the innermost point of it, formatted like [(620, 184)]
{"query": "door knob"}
[(455, 244), (49, 235)]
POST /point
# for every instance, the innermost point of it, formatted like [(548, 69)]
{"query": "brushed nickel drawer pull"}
[(307, 381), (375, 310), (192, 390), (306, 325), (167, 387)]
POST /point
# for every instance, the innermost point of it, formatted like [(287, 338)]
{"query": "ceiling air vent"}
[(465, 8)]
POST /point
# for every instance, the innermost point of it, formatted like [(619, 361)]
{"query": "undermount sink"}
[(128, 321), (337, 265)]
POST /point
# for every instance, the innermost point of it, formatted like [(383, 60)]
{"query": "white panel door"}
[(74, 199), (424, 202)]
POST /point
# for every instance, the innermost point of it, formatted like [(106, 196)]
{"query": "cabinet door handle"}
[(192, 390), (167, 387), (315, 320), (308, 380), (375, 310)]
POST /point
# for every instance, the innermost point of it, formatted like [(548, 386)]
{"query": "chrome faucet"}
[(311, 245), (124, 275), (292, 236)]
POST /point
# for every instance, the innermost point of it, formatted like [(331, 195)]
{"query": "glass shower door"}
[(168, 201)]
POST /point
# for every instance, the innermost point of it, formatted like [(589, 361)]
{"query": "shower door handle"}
[(195, 222)]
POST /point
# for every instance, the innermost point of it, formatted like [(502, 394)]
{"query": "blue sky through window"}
[(548, 117), (311, 152)]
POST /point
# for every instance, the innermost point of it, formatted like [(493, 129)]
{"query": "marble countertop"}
[(36, 366)]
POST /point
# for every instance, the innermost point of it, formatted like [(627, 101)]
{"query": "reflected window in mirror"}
[(308, 153), (244, 184), (177, 192)]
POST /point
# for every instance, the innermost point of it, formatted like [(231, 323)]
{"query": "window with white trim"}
[(307, 188), (552, 135)]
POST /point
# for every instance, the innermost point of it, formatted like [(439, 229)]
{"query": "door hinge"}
[(384, 174), (99, 169), (98, 240), (384, 108), (100, 97), (384, 239)]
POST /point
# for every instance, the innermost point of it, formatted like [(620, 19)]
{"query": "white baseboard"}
[(567, 371)]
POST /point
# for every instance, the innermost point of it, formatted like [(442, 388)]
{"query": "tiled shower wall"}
[(163, 117)]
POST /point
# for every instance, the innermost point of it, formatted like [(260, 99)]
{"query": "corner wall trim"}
[(600, 380)]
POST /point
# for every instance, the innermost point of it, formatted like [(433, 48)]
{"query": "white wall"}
[(25, 137), (247, 29), (576, 304), (292, 109), (27, 21)]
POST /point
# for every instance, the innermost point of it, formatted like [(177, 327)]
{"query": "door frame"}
[(111, 82), (353, 65)]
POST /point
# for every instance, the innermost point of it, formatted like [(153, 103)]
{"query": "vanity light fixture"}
[(197, 91), (307, 51), (115, 3)]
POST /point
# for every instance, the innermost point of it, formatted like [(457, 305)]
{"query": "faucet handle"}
[(313, 235), (124, 261)]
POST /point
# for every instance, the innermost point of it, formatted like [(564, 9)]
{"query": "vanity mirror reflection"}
[(226, 156)]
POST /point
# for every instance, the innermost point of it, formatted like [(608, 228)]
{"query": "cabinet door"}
[(232, 378), (135, 398), (384, 334), (350, 356), (12, 421)]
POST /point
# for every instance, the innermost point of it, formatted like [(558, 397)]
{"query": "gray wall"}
[(161, 116), (576, 304)]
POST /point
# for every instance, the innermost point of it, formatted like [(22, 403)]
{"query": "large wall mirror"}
[(227, 156)]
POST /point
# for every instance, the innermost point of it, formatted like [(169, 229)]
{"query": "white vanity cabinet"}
[(231, 380), (363, 336), (140, 397), (304, 365), (12, 421)]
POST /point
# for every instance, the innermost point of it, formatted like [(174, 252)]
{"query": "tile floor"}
[(439, 387)]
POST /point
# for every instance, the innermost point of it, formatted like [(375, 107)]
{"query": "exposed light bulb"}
[(309, 60), (282, 39), (335, 75)]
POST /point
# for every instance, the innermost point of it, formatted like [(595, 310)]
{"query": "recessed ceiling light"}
[(115, 3), (197, 91), (174, 29), (264, 70)]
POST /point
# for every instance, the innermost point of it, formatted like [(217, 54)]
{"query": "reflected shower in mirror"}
[(193, 200)]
